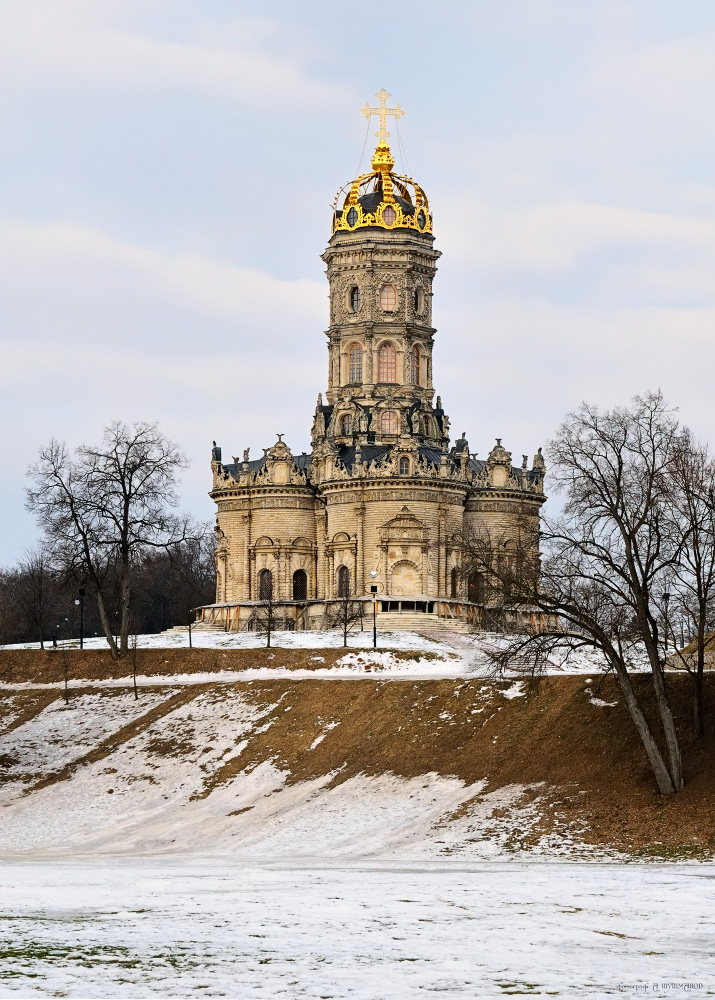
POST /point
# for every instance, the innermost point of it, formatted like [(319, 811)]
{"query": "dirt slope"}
[(581, 774)]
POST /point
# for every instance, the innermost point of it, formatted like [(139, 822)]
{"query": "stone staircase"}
[(198, 627), (422, 623)]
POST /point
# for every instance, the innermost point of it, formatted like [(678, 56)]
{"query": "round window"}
[(389, 215), (421, 219), (388, 298), (352, 217)]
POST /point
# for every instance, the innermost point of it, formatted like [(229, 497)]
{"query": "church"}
[(379, 508)]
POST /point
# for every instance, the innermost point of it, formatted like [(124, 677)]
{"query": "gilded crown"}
[(382, 198)]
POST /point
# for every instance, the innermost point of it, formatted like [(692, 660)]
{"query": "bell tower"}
[(380, 266)]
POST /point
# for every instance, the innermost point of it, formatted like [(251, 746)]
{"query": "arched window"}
[(388, 298), (265, 585), (418, 300), (346, 423), (355, 299), (454, 583), (343, 581), (414, 361), (387, 363), (476, 588), (404, 466), (355, 363), (388, 422), (300, 585)]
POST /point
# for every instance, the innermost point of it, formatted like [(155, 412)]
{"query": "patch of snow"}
[(515, 691)]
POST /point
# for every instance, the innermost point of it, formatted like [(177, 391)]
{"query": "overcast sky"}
[(168, 170)]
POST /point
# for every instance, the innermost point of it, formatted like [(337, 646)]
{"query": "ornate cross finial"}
[(382, 111)]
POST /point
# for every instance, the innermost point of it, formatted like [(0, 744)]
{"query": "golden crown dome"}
[(382, 198)]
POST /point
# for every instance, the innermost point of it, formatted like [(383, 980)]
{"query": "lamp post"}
[(666, 598), (81, 617), (373, 591)]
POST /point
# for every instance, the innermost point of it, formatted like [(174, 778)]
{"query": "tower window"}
[(389, 215), (343, 581), (388, 298), (355, 299), (265, 585), (387, 363), (404, 466), (355, 363), (418, 300), (414, 360), (346, 424), (421, 219), (352, 217), (388, 422)]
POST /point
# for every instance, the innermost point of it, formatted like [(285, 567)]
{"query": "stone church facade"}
[(384, 499)]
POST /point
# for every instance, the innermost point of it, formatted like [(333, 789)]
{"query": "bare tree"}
[(35, 590), (102, 508), (607, 557), (692, 589), (264, 617), (344, 614)]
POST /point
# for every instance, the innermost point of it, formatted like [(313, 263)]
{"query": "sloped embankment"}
[(380, 767)]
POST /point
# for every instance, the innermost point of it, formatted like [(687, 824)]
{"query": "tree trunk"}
[(698, 711), (104, 618), (662, 775), (671, 735), (124, 617)]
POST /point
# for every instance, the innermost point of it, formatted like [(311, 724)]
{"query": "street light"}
[(373, 591), (81, 617)]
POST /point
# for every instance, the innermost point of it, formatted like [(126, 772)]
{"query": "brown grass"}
[(47, 666)]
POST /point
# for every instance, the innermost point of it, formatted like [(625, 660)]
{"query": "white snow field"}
[(221, 928)]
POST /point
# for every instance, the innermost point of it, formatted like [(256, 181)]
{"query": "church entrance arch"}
[(300, 585), (476, 588), (405, 579)]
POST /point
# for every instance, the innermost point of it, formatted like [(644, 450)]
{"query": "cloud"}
[(671, 254), (71, 269), (43, 41), (675, 77)]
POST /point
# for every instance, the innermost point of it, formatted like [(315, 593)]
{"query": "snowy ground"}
[(470, 653), (190, 927)]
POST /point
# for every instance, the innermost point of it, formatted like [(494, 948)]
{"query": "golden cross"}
[(382, 111)]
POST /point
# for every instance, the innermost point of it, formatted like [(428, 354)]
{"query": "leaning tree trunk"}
[(671, 735), (104, 619), (662, 775)]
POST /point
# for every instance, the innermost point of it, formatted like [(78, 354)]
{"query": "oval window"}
[(352, 217), (355, 299), (388, 298), (421, 219), (389, 215)]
